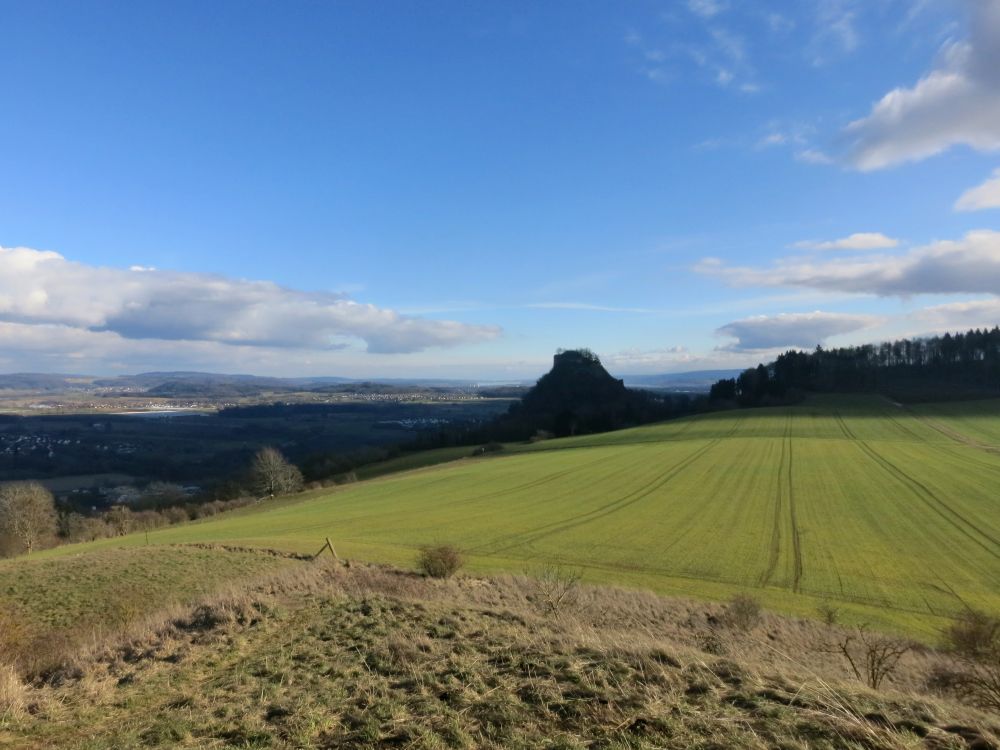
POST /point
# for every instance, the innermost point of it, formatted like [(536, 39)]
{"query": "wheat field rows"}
[(889, 512)]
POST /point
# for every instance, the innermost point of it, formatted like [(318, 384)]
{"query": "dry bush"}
[(828, 614), (973, 635), (553, 589), (974, 640), (119, 517), (742, 613), (872, 656), (491, 447), (175, 514), (440, 561)]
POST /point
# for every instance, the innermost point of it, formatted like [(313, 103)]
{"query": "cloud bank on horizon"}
[(43, 295)]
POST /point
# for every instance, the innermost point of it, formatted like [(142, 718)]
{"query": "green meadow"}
[(890, 513)]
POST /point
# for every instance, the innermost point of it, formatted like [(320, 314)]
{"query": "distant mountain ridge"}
[(695, 380), (190, 383)]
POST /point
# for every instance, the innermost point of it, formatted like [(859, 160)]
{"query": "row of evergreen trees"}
[(949, 366)]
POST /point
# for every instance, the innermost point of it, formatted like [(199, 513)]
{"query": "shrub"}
[(440, 561), (828, 613), (175, 514), (742, 613), (973, 635), (491, 447), (974, 638)]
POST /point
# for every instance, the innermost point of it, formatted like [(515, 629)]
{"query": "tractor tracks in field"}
[(796, 541), (955, 435), (775, 546), (956, 520), (784, 487), (614, 506), (532, 484)]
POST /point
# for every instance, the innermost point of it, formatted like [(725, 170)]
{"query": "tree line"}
[(918, 369), (30, 518)]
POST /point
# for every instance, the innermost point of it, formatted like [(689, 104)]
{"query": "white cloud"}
[(982, 196), (588, 307), (969, 265), (673, 359), (836, 30), (707, 8), (779, 24), (856, 241), (717, 52), (958, 103), (812, 156), (43, 289), (791, 330), (954, 316), (772, 139)]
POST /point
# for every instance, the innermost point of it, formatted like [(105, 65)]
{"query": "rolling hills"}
[(889, 512)]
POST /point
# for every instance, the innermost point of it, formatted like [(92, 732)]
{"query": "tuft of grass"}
[(13, 694)]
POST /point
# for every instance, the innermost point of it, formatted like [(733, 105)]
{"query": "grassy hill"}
[(890, 513)]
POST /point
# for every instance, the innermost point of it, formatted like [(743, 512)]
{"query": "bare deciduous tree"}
[(27, 513), (273, 474), (872, 657), (120, 519)]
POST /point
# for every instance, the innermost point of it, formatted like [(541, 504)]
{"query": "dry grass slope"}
[(318, 655)]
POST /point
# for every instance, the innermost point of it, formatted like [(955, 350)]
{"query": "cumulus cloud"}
[(856, 241), (791, 330), (39, 289), (956, 103), (982, 196), (983, 313), (969, 265)]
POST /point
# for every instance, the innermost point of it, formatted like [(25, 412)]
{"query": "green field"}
[(890, 513)]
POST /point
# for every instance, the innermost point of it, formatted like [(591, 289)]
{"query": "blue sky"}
[(457, 189)]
